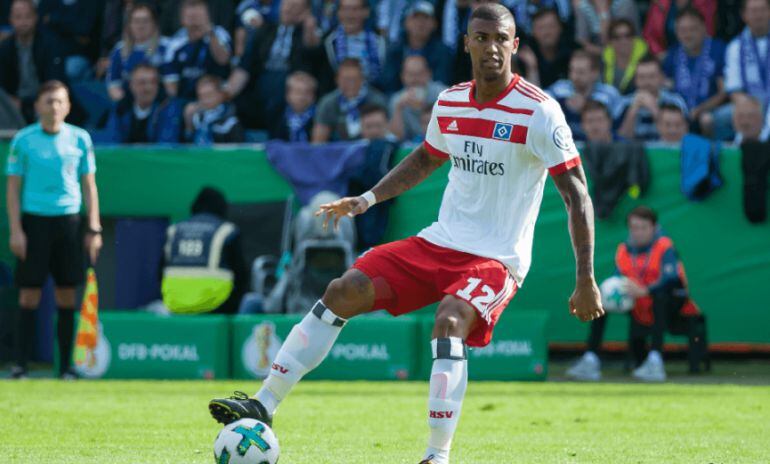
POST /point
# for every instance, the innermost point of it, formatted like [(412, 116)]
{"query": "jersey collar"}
[(494, 101)]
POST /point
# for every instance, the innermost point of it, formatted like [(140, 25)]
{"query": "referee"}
[(47, 165)]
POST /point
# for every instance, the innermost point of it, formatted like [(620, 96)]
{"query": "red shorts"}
[(413, 273)]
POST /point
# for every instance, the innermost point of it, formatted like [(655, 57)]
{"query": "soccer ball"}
[(615, 298), (246, 441)]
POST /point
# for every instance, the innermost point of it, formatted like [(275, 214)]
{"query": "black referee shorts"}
[(55, 246)]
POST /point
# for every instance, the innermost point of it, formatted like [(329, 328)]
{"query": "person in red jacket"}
[(658, 283), (659, 25)]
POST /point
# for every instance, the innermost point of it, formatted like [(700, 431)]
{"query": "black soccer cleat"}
[(239, 406)]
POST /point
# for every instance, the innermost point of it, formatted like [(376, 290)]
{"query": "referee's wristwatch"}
[(90, 230)]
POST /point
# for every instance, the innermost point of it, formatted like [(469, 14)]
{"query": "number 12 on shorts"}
[(480, 302)]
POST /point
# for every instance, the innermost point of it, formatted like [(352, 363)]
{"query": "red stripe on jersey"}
[(565, 166), (507, 109), (528, 94), (483, 128), (435, 151), (496, 100), (459, 87), (534, 89)]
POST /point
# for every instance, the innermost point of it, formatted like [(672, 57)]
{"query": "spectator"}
[(296, 125), (526, 11), (747, 62), (221, 12), (657, 282), (211, 119), (547, 57), (596, 123), (640, 109), (76, 25), (622, 55), (695, 65), (198, 48), (272, 53), (420, 24), (454, 20), (583, 85), (671, 123), (592, 21), (374, 123), (419, 91), (325, 12), (250, 16), (748, 121), (143, 117), (728, 19), (352, 39), (189, 284), (338, 115), (142, 43), (659, 27), (54, 161), (28, 57)]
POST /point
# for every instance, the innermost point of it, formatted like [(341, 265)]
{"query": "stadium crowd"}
[(190, 71)]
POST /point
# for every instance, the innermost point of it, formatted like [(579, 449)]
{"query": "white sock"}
[(303, 350), (448, 381), (590, 356), (655, 357)]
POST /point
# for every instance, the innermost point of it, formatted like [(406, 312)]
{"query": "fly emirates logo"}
[(471, 161)]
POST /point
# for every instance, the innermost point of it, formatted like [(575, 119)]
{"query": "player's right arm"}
[(412, 170), (14, 172)]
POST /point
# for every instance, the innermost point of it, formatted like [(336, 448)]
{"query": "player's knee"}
[(65, 297), (29, 298), (454, 318), (349, 295)]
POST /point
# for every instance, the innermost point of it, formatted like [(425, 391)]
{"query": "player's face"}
[(491, 45), (641, 231), (53, 107)]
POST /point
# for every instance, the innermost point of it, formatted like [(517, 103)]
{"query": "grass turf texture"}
[(368, 422)]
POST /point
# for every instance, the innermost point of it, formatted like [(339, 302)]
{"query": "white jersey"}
[(500, 152)]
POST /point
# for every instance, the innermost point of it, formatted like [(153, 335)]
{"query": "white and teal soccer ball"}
[(246, 441), (615, 297)]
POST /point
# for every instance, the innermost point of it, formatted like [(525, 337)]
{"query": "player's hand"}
[(93, 244), (586, 302), (18, 244), (336, 210)]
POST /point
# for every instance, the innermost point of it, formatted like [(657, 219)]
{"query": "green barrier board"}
[(518, 350), (146, 346), (369, 348)]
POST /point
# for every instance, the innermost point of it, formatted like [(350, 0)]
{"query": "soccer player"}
[(48, 164), (502, 136)]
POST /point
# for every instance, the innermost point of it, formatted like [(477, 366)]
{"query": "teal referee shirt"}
[(51, 166)]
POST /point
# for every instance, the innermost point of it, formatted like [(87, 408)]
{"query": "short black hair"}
[(543, 12), (144, 65), (210, 200), (371, 108), (643, 212), (691, 12), (671, 107), (593, 59), (615, 23), (51, 86), (594, 105), (491, 12), (650, 59)]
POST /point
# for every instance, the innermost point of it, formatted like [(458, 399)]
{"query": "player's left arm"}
[(585, 302)]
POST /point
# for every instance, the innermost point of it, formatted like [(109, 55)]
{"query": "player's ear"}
[(515, 45), (465, 42)]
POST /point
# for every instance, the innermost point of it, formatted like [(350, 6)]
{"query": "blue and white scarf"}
[(695, 86), (370, 62), (296, 123), (755, 72), (278, 60), (349, 107)]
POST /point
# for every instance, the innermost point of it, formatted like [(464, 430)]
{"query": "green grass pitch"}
[(142, 422)]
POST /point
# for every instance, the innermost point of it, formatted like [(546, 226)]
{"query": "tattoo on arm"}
[(412, 170), (573, 189)]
